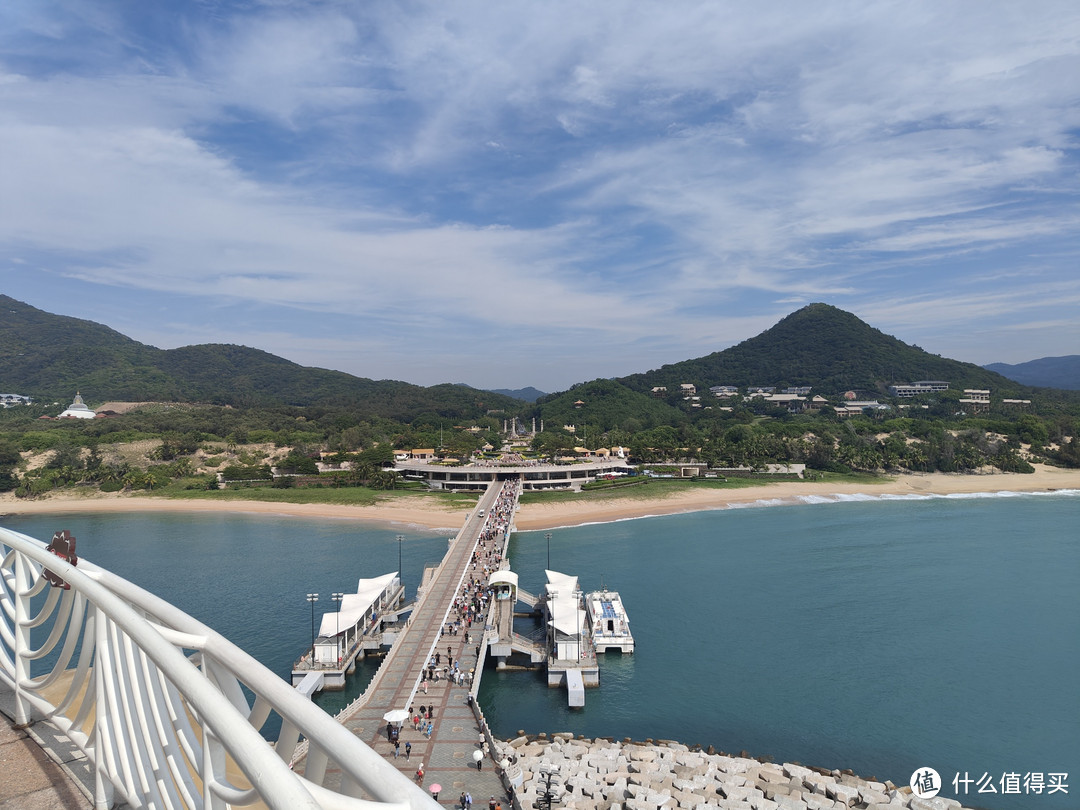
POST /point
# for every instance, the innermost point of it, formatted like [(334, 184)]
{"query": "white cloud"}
[(558, 169)]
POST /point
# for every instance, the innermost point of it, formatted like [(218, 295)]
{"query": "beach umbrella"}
[(396, 717)]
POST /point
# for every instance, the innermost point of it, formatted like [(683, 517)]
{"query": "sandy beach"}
[(431, 513)]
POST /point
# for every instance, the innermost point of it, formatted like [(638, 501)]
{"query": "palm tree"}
[(385, 479)]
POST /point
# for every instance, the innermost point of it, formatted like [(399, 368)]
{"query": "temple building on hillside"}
[(77, 410)]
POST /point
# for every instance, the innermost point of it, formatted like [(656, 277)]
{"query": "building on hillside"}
[(721, 391), (687, 389), (793, 402), (976, 400), (904, 390), (801, 390), (858, 408), (659, 391), (77, 410), (761, 389), (11, 400)]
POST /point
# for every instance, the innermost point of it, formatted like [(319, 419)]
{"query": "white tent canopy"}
[(563, 605), (567, 618), (355, 606), (559, 584)]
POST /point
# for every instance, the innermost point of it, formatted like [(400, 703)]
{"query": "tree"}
[(385, 479)]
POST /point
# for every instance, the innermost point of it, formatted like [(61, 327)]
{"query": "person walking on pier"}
[(397, 747), (408, 750)]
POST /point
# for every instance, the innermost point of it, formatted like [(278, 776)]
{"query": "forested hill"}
[(824, 347), (50, 357)]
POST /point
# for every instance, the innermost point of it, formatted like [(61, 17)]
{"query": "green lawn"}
[(343, 496)]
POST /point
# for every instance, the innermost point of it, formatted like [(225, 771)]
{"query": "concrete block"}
[(818, 801), (772, 774), (796, 771), (843, 794)]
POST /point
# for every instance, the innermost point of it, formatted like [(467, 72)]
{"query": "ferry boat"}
[(609, 623)]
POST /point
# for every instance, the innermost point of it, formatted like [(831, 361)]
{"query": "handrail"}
[(161, 727)]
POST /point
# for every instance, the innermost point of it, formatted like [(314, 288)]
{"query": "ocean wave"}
[(864, 497)]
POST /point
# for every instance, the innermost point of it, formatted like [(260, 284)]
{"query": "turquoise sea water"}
[(879, 636)]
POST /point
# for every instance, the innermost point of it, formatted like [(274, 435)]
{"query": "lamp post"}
[(312, 599), (547, 773), (401, 576), (547, 537), (337, 597), (577, 619)]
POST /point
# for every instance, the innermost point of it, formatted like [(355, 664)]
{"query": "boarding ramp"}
[(575, 689)]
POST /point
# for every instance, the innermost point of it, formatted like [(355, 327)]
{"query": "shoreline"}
[(429, 514)]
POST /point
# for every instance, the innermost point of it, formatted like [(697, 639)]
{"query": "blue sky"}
[(511, 194)]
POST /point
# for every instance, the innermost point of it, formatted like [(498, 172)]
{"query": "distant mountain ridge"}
[(529, 394), (51, 356), (1045, 372)]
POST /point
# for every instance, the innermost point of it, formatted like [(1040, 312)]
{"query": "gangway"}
[(575, 689)]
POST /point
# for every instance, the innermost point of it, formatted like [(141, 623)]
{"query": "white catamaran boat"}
[(609, 623)]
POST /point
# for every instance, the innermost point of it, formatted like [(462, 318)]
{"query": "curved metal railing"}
[(159, 702)]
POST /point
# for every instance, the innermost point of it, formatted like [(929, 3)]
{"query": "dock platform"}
[(458, 729)]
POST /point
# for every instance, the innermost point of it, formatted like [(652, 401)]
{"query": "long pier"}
[(401, 683)]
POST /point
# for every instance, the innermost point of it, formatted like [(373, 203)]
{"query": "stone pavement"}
[(30, 778), (448, 755)]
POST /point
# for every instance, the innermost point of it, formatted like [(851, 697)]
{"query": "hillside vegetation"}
[(227, 414)]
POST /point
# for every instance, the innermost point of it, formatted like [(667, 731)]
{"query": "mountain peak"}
[(825, 347)]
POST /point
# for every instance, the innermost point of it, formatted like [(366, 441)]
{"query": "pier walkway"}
[(457, 732)]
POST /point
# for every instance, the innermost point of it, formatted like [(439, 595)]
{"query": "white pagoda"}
[(77, 410)]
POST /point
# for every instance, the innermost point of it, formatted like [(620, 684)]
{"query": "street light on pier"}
[(312, 599), (547, 536), (577, 619), (337, 597), (401, 576)]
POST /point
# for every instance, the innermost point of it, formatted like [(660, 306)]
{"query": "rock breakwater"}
[(603, 774)]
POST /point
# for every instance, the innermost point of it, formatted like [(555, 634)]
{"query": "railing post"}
[(103, 786), (21, 589)]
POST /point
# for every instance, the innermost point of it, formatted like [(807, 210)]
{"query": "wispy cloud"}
[(558, 178)]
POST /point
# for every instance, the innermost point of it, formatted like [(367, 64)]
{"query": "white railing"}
[(158, 702)]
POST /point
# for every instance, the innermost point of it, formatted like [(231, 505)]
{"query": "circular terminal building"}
[(532, 475)]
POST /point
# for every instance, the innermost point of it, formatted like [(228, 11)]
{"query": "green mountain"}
[(826, 348), (605, 405), (50, 357), (1048, 372)]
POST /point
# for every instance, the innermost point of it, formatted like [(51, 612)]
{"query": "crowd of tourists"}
[(456, 654)]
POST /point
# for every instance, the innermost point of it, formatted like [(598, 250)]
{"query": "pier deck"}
[(448, 754)]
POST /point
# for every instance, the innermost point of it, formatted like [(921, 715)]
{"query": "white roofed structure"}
[(566, 619), (355, 607)]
